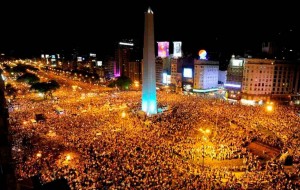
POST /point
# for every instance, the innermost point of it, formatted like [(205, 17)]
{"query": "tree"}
[(122, 82), (46, 88), (28, 78), (21, 68)]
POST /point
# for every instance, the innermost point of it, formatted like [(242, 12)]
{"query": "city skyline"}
[(97, 28)]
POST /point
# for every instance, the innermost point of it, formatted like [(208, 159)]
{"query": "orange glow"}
[(68, 157), (269, 108), (123, 115)]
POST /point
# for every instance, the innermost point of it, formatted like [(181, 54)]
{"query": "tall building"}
[(149, 101), (174, 70), (134, 70), (206, 74), (109, 67), (234, 78), (284, 74), (262, 79), (159, 70), (122, 57), (258, 76)]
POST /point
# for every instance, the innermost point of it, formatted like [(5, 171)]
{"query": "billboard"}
[(92, 55), (188, 73), (79, 59), (202, 54), (99, 63), (237, 63), (177, 49), (163, 49)]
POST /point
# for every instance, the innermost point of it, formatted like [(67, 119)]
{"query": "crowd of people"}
[(94, 146)]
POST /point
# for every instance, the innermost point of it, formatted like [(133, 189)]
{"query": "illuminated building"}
[(262, 79), (159, 70), (149, 101), (234, 78), (134, 70), (206, 74), (222, 77), (258, 76), (92, 61), (186, 66), (122, 57), (109, 67), (127, 52), (176, 75), (286, 78)]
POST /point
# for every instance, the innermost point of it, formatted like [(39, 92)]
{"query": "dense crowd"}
[(94, 147)]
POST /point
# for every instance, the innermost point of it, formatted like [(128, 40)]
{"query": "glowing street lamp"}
[(269, 108), (39, 155), (68, 157), (207, 131), (136, 83), (123, 115)]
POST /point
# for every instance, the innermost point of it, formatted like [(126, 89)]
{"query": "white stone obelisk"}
[(149, 101)]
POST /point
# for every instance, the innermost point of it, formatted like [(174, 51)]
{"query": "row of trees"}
[(122, 83), (46, 88)]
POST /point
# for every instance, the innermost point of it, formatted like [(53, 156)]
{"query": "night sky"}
[(27, 28)]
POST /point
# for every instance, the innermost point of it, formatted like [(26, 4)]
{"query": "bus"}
[(58, 109)]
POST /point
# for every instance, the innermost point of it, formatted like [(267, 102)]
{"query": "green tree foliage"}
[(21, 68), (122, 82), (46, 88), (28, 78)]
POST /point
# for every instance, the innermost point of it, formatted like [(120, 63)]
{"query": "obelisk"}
[(149, 101)]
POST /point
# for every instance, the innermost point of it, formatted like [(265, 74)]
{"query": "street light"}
[(269, 106), (123, 115)]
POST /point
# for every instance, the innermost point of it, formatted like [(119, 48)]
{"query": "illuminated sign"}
[(168, 79), (237, 62), (42, 56), (53, 56), (206, 90), (165, 78), (46, 56), (99, 63), (92, 55), (233, 85), (177, 49), (163, 49), (202, 54), (188, 73), (248, 102), (79, 59), (126, 44)]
